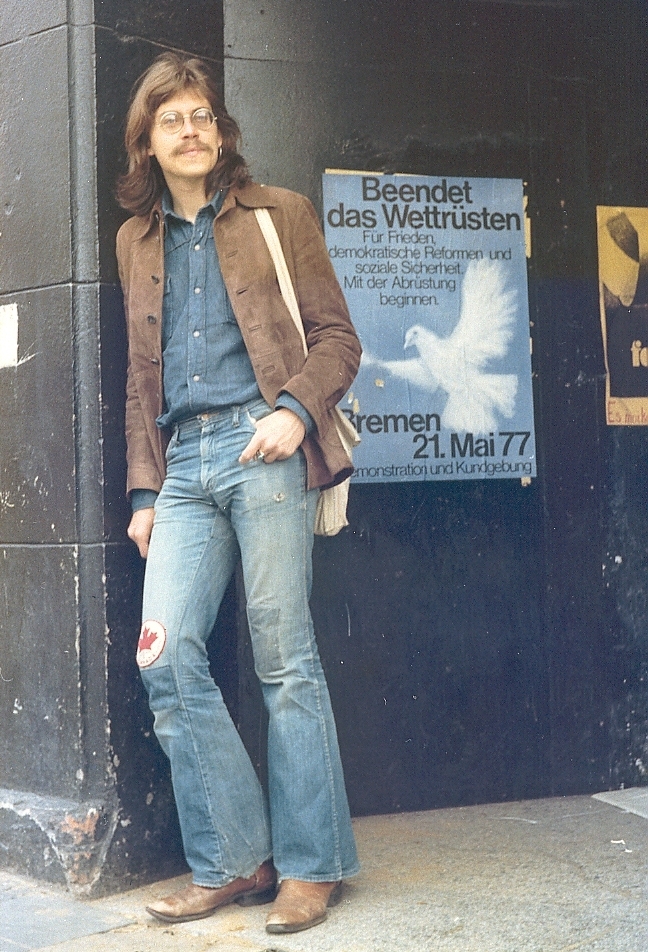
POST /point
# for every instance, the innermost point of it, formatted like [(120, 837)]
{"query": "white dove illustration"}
[(456, 363)]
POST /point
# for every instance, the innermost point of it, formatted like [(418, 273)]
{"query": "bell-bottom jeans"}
[(211, 508)]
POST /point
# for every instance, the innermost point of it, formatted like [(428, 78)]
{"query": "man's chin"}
[(195, 165)]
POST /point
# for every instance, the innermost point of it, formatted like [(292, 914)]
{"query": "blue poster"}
[(434, 273)]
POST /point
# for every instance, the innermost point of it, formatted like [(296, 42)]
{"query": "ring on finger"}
[(260, 455)]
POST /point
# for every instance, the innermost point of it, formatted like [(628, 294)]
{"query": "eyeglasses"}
[(172, 122)]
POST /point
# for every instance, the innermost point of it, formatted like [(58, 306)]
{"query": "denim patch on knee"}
[(151, 643), (264, 632)]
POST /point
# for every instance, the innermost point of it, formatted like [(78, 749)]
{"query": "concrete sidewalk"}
[(539, 876)]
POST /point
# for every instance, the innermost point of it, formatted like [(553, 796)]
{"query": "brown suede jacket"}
[(273, 343)]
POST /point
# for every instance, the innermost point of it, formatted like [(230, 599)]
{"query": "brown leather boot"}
[(301, 905), (198, 902)]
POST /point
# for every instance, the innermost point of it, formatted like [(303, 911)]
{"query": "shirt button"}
[(196, 333), (196, 290), (196, 247), (196, 378)]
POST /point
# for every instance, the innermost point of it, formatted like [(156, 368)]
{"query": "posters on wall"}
[(434, 272), (623, 295)]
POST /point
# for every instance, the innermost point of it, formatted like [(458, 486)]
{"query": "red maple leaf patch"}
[(151, 643), (147, 639)]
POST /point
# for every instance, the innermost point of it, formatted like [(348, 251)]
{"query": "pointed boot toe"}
[(301, 905)]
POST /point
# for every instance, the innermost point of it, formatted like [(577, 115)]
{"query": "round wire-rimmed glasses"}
[(172, 122)]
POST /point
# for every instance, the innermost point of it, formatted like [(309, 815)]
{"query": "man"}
[(216, 363)]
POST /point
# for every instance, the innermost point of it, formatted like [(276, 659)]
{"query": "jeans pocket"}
[(173, 442), (257, 412)]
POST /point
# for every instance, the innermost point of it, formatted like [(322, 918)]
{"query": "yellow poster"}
[(623, 293)]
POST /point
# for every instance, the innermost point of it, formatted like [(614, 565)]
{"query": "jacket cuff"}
[(288, 402), (142, 499)]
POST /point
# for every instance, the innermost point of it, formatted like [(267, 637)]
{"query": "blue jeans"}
[(210, 508)]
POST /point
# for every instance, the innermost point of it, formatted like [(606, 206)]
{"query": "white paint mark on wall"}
[(8, 335)]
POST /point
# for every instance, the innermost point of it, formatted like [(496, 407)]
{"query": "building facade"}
[(483, 640)]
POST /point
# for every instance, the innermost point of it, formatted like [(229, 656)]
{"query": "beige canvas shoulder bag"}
[(331, 513)]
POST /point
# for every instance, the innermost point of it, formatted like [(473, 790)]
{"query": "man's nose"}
[(188, 128)]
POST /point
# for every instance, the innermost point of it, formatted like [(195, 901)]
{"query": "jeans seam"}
[(307, 554), (187, 717)]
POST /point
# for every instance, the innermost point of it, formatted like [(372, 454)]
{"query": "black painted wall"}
[(483, 641), (85, 792), (53, 744), (128, 37)]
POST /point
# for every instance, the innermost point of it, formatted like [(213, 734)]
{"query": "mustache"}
[(195, 146)]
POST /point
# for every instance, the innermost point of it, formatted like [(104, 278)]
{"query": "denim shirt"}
[(206, 366)]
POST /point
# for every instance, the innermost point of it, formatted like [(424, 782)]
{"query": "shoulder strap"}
[(346, 430), (267, 226)]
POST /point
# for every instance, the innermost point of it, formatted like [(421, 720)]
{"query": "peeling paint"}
[(79, 834), (80, 828), (8, 335)]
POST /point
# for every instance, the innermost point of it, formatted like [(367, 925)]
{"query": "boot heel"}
[(257, 898), (336, 895)]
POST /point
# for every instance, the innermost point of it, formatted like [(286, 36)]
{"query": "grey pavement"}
[(556, 875)]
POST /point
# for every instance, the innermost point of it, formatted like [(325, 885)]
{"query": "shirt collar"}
[(167, 204), (250, 196)]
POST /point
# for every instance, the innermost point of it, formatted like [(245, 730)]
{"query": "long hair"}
[(139, 188)]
